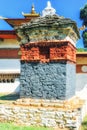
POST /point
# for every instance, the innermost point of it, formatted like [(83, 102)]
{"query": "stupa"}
[(48, 60), (47, 78)]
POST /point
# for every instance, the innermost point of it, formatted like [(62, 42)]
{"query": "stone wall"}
[(48, 80), (44, 113)]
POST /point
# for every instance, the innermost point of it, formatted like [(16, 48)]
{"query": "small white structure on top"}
[(49, 10)]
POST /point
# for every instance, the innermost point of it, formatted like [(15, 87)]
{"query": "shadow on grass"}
[(84, 125), (9, 97)]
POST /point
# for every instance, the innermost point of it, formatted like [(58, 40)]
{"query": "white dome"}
[(49, 10)]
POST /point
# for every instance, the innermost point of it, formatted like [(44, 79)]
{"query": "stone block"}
[(49, 80)]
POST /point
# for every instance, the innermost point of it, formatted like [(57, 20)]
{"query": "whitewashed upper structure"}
[(49, 10)]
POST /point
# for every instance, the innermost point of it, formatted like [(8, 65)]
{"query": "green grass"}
[(81, 49), (84, 124), (10, 126)]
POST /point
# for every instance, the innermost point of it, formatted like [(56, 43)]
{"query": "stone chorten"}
[(48, 60)]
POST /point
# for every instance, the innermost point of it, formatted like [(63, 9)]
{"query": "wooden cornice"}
[(16, 22), (81, 54)]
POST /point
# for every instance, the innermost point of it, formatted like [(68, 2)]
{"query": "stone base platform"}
[(60, 114), (70, 104), (49, 113)]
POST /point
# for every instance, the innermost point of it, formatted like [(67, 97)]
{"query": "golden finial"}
[(31, 14), (33, 10)]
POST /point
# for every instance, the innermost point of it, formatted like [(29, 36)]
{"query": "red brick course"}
[(48, 52)]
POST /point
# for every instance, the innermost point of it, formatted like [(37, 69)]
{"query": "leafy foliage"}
[(81, 50), (84, 124), (83, 12), (84, 35), (83, 16)]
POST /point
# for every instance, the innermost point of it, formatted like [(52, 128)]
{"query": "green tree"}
[(83, 16)]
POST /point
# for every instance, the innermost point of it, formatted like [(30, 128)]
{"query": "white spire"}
[(49, 10), (48, 4)]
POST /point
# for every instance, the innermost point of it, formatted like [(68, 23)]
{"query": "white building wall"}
[(81, 81), (81, 87), (10, 66), (10, 87)]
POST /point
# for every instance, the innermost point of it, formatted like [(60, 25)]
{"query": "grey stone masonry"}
[(48, 80)]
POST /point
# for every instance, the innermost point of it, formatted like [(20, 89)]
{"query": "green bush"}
[(84, 124), (81, 50)]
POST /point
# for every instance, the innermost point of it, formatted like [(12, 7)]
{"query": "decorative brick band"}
[(48, 52)]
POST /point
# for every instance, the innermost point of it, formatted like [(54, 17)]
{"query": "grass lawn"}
[(10, 126), (84, 124)]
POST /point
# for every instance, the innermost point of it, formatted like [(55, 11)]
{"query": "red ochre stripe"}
[(8, 36)]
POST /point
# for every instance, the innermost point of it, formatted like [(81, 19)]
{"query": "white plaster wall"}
[(81, 87), (9, 43), (81, 81), (10, 87), (69, 39), (9, 66)]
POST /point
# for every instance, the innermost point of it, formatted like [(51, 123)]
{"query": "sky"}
[(67, 8)]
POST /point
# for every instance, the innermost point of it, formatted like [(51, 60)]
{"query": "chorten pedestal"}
[(48, 68)]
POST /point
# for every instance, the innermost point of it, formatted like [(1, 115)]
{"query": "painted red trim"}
[(8, 36)]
